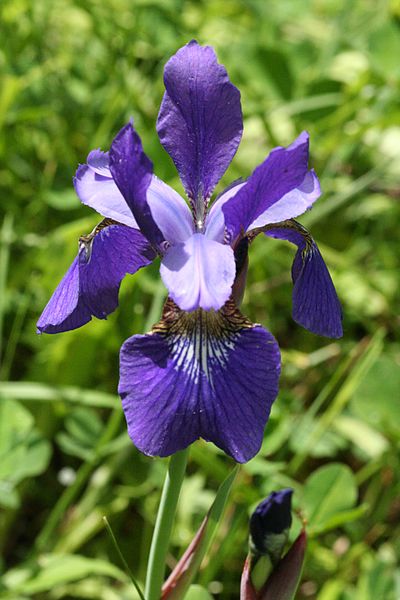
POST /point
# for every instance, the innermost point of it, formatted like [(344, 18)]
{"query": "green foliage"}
[(329, 494), (71, 73), (23, 451), (196, 592)]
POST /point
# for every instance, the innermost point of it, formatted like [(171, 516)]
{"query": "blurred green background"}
[(72, 73)]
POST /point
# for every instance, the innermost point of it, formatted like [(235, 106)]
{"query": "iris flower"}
[(204, 370)]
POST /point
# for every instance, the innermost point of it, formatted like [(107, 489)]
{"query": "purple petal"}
[(209, 375), (96, 188), (132, 171), (98, 161), (200, 120), (215, 220), (315, 303), (293, 204), (114, 252), (65, 309), (199, 273), (170, 211), (281, 172), (91, 285), (101, 193)]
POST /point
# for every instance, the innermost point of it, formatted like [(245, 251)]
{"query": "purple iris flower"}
[(205, 370)]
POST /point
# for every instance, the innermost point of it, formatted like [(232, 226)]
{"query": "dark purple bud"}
[(270, 524)]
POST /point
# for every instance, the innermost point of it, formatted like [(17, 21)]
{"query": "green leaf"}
[(274, 64), (197, 592), (364, 437), (33, 391), (346, 516), (62, 199), (60, 569), (376, 399), (329, 491), (384, 47), (84, 429), (23, 451), (8, 495)]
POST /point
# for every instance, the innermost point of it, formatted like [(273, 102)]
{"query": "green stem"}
[(163, 526)]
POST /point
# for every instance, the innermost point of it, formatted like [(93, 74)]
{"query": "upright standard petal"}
[(132, 171), (281, 172), (204, 374), (199, 273), (315, 303), (91, 285), (200, 121)]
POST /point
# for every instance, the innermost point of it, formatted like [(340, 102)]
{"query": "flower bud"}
[(266, 574), (270, 524)]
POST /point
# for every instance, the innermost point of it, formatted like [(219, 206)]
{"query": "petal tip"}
[(80, 172)]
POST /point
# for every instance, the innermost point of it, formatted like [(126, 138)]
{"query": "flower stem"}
[(163, 526)]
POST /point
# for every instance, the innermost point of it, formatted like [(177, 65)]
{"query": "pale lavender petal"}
[(293, 204), (209, 375), (91, 285), (215, 220), (65, 309), (132, 172), (99, 162), (282, 171), (315, 303), (200, 120), (169, 211), (96, 188), (101, 194), (198, 273)]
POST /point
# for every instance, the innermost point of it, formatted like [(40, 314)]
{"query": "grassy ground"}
[(72, 73)]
